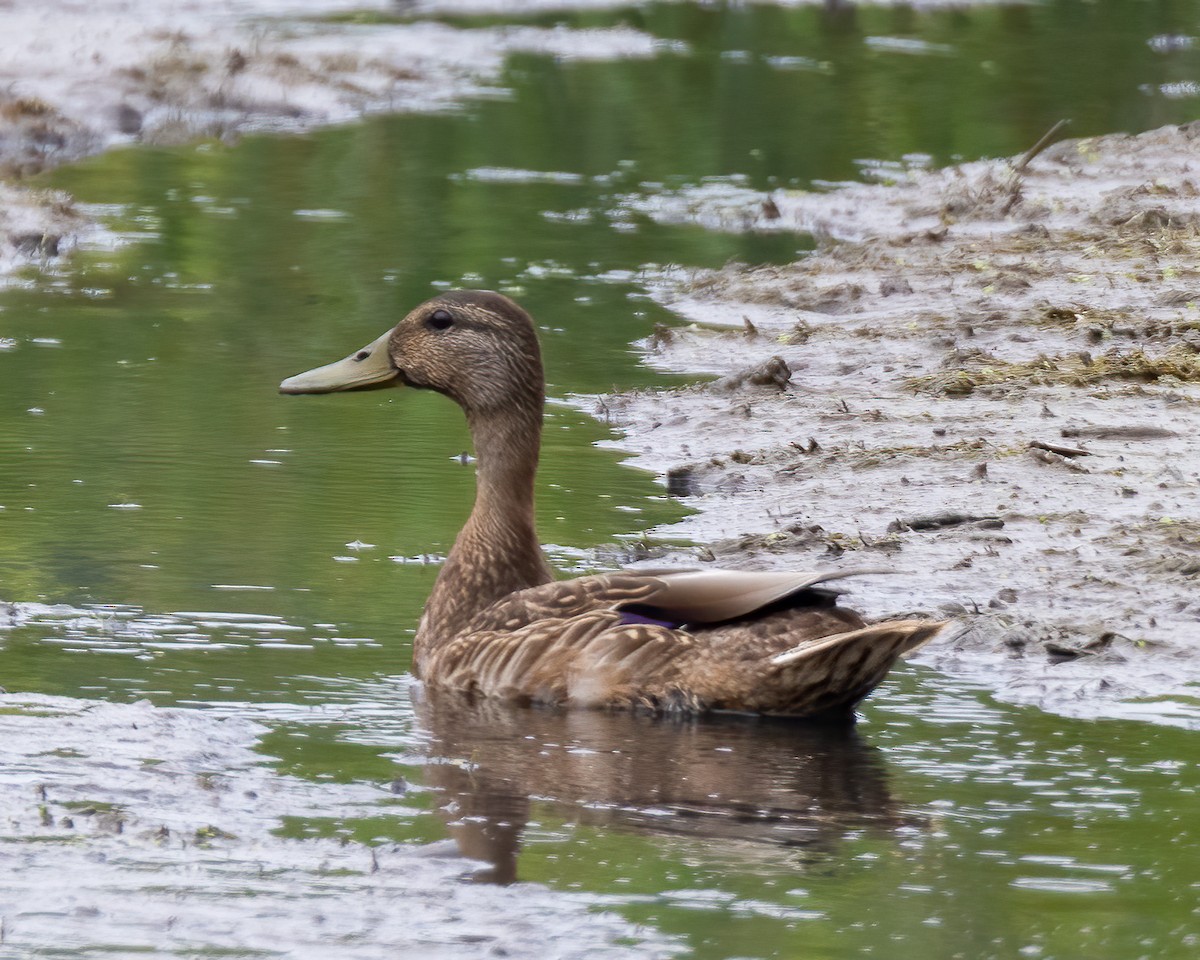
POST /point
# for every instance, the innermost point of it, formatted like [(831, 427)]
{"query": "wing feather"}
[(712, 596)]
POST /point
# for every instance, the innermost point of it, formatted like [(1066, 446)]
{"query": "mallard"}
[(497, 624)]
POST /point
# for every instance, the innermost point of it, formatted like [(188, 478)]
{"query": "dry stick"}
[(1018, 169)]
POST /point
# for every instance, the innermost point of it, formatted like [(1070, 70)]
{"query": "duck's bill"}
[(369, 367)]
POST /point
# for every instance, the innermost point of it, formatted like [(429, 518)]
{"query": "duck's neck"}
[(497, 550)]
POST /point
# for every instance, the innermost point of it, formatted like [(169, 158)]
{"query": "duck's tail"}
[(829, 675)]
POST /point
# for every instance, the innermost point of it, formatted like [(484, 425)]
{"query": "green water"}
[(221, 546)]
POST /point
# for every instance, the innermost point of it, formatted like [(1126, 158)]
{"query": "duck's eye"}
[(440, 320)]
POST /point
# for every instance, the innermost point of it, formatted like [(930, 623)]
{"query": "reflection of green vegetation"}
[(317, 751), (402, 826), (987, 81)]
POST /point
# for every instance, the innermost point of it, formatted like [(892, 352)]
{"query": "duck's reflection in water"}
[(732, 779)]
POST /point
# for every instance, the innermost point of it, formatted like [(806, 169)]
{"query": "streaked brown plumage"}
[(498, 625)]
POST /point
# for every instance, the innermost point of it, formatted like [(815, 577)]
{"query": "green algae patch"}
[(997, 377)]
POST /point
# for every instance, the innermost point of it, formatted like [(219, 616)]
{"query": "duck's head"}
[(477, 347)]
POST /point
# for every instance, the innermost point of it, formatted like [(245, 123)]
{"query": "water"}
[(176, 531)]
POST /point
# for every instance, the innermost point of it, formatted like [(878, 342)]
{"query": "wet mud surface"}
[(986, 378)]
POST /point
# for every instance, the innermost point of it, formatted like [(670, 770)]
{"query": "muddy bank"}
[(76, 79), (987, 378), (175, 811)]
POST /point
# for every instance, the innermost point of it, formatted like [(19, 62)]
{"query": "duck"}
[(498, 625)]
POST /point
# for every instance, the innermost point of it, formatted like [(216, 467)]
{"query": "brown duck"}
[(497, 624)]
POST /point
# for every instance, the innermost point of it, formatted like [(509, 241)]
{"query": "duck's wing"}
[(715, 596), (613, 640), (673, 597), (589, 659)]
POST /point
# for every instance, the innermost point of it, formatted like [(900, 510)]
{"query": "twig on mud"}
[(1045, 141), (1017, 173), (1060, 449), (939, 521), (811, 447)]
